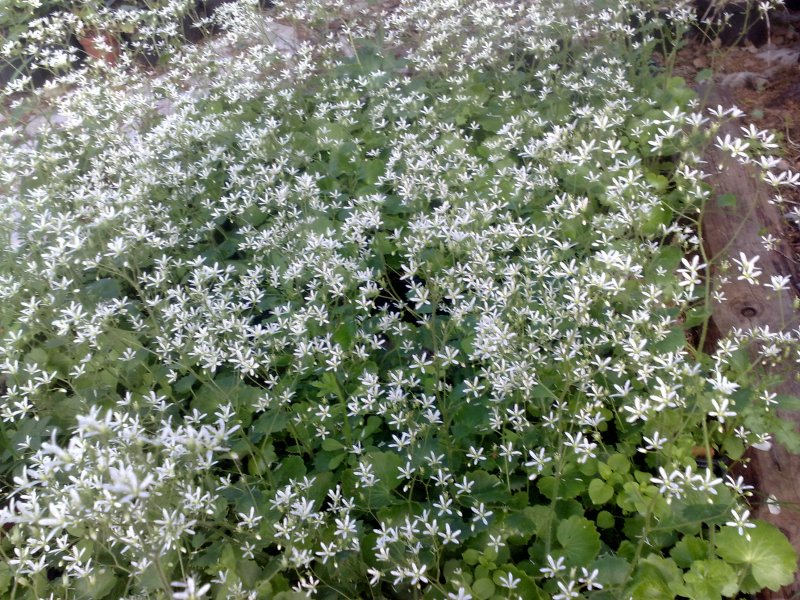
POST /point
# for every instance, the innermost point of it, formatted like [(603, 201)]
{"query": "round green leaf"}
[(483, 588), (619, 462), (580, 540), (600, 492), (471, 556), (605, 520), (767, 552)]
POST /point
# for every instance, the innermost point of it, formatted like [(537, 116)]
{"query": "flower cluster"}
[(122, 483), (354, 318)]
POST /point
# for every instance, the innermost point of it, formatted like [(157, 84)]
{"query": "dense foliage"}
[(40, 39), (400, 314)]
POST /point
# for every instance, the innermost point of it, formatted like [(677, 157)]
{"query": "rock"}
[(780, 56), (754, 81)]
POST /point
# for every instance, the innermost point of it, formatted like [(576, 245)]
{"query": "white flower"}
[(735, 147), (190, 589), (669, 483), (654, 443), (449, 536), (508, 581), (721, 410), (127, 483), (481, 513), (554, 566), (740, 522), (779, 283), (416, 573), (773, 505), (588, 578), (691, 272), (747, 267)]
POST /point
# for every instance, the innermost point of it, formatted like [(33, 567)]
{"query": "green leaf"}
[(209, 556), (249, 571), (104, 289), (471, 556), (704, 75), (99, 585), (768, 554), (5, 577), (727, 200), (668, 258), (385, 466), (733, 448), (689, 550), (483, 588), (711, 579), (696, 316), (344, 335), (612, 570), (656, 181), (657, 577), (185, 383), (334, 462), (469, 419), (272, 421), (568, 486), (487, 488), (331, 445), (291, 467), (520, 525), (786, 435), (605, 520), (672, 342), (600, 492), (37, 356), (579, 539), (787, 402), (650, 585), (542, 517), (327, 386)]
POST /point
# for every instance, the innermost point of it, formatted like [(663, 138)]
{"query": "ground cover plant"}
[(400, 315), (42, 40)]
